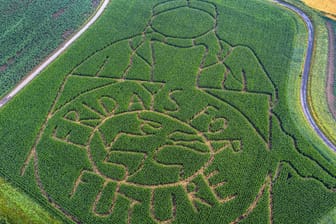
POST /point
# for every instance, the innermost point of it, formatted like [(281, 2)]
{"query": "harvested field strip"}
[(326, 6)]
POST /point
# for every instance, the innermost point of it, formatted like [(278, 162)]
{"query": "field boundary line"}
[(50, 59)]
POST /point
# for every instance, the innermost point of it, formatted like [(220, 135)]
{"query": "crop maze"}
[(163, 122)]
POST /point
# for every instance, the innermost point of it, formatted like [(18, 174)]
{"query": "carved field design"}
[(170, 125)]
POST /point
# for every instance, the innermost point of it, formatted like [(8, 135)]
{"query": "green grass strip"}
[(15, 207)]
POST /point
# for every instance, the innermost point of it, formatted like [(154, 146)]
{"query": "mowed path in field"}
[(305, 73), (331, 71), (53, 56)]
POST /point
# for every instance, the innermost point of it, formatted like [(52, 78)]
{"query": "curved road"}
[(305, 73), (52, 58)]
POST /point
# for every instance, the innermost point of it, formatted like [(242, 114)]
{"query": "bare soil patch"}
[(3, 67), (11, 60), (67, 34), (95, 3), (58, 13)]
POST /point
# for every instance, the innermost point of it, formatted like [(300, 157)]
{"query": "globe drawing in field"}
[(166, 125)]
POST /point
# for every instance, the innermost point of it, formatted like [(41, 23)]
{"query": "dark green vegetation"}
[(30, 30), (149, 124)]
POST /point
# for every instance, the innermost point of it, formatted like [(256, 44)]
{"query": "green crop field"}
[(170, 112), (30, 30)]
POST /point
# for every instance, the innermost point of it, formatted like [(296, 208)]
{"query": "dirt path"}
[(331, 71), (53, 56)]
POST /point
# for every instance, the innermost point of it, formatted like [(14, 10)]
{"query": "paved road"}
[(305, 73), (52, 58)]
